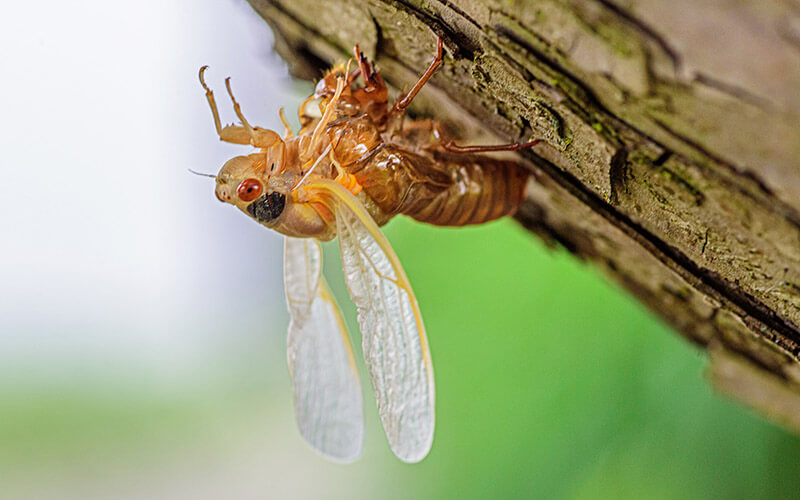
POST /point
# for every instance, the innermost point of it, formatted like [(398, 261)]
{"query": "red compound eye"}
[(249, 189)]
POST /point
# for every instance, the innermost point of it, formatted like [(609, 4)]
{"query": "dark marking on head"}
[(267, 207)]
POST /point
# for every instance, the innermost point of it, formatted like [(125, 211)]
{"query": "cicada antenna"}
[(201, 174)]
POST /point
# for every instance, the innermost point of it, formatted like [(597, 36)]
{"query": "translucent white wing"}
[(395, 346), (327, 392)]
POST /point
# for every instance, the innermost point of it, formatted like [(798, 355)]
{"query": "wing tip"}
[(413, 456), (344, 455), (415, 453)]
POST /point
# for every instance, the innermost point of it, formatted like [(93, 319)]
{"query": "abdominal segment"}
[(483, 189), (441, 188)]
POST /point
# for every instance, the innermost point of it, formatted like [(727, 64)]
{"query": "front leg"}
[(235, 134), (231, 133)]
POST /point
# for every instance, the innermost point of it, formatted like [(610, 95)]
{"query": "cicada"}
[(355, 163)]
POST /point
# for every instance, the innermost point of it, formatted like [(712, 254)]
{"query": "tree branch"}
[(670, 152)]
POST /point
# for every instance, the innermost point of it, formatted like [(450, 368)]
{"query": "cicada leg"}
[(287, 129), (245, 134), (230, 133), (450, 146), (403, 103), (259, 137), (373, 82)]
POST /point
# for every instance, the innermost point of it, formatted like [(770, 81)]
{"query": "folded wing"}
[(394, 342), (327, 392)]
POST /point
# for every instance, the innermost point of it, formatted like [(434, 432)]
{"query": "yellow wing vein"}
[(351, 202)]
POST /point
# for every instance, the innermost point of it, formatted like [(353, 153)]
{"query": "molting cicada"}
[(354, 164)]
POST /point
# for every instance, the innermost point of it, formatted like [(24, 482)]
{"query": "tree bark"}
[(671, 144)]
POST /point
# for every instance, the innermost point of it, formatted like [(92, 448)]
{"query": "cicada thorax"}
[(407, 173)]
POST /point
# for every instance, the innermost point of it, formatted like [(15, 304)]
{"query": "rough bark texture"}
[(671, 154)]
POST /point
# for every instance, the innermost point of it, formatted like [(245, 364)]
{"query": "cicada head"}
[(261, 187), (254, 185)]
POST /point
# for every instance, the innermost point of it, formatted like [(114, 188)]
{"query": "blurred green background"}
[(142, 324), (550, 383)]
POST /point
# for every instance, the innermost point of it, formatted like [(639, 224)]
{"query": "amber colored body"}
[(393, 165)]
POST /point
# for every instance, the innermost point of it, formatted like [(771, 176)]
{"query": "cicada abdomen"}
[(414, 171), (481, 189), (440, 188)]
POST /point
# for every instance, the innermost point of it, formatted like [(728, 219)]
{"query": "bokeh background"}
[(142, 323)]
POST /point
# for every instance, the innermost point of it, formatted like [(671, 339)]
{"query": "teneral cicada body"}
[(355, 163)]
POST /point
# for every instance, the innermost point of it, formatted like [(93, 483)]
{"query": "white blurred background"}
[(103, 114), (119, 267)]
